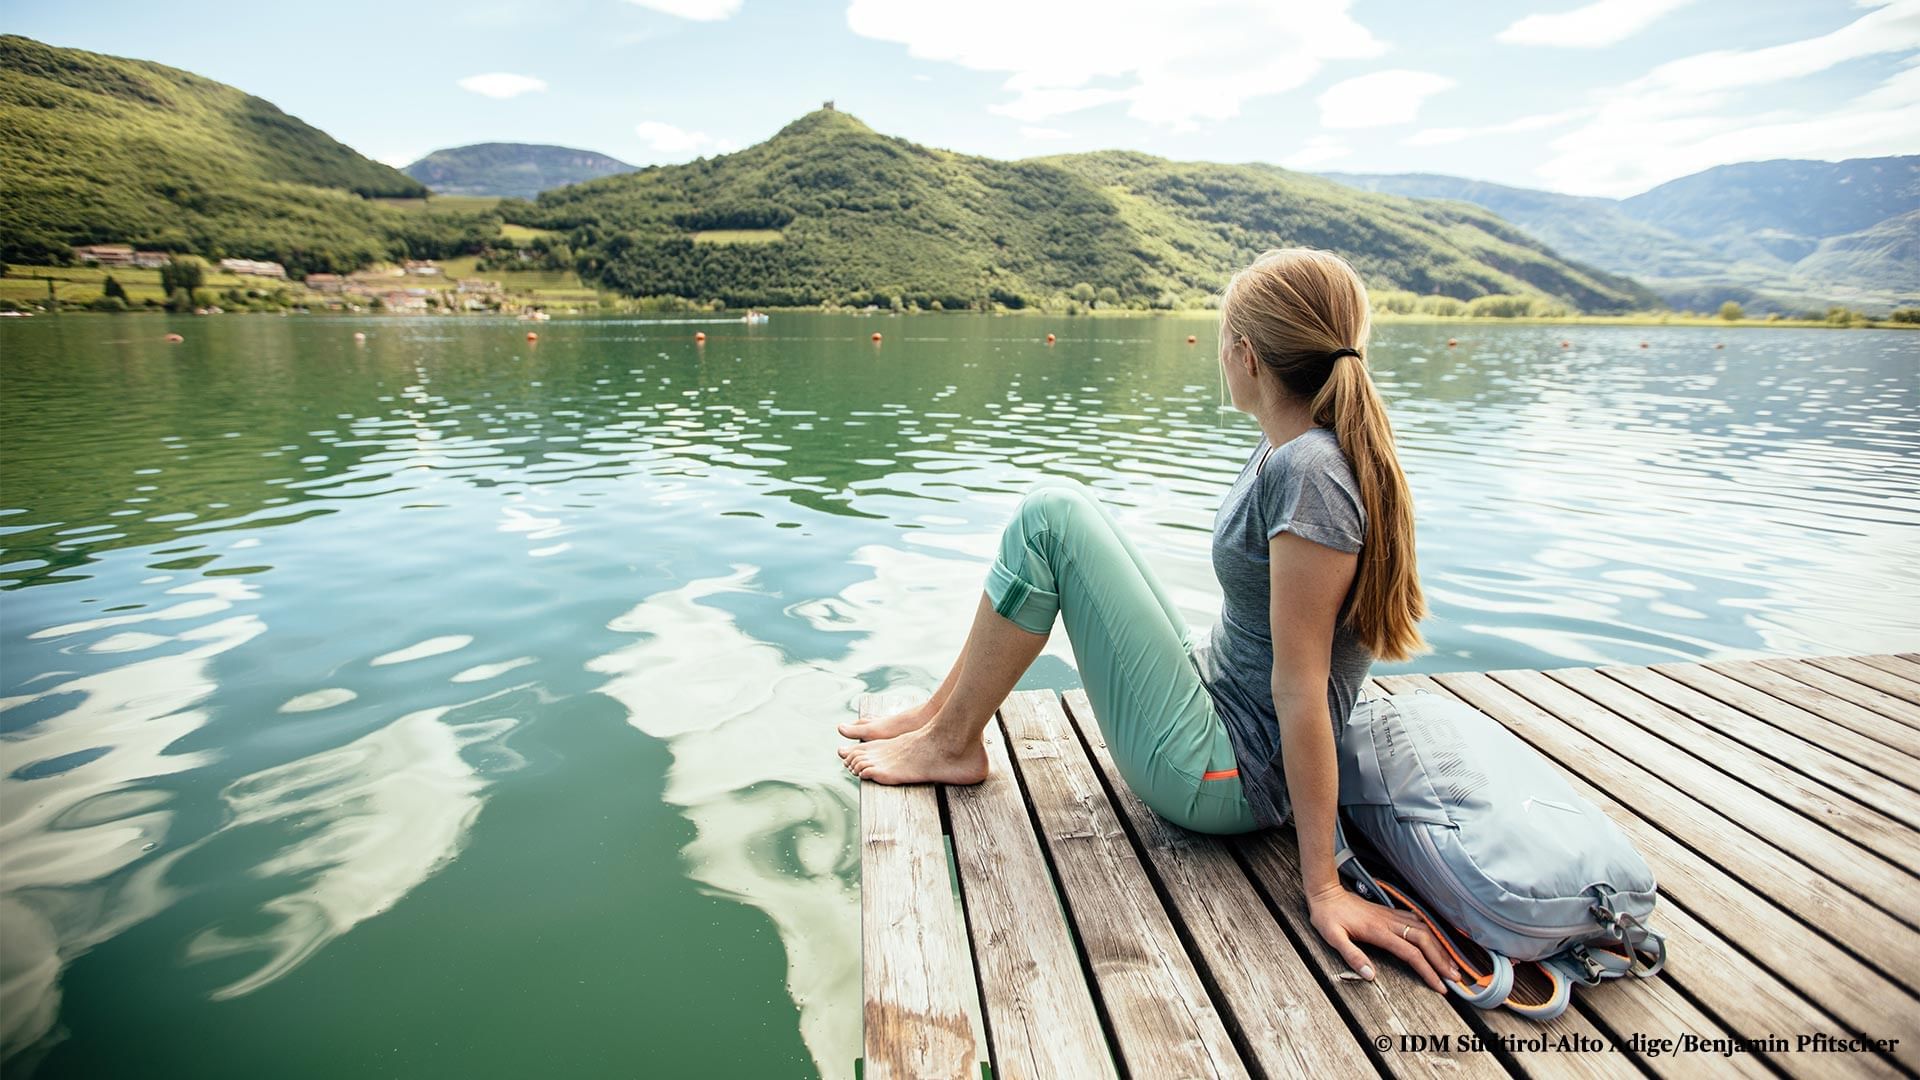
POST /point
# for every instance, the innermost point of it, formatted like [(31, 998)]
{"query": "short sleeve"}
[(1312, 495)]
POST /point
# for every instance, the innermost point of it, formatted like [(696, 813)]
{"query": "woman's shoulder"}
[(1315, 451)]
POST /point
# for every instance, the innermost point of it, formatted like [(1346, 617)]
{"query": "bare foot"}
[(913, 758), (886, 727)]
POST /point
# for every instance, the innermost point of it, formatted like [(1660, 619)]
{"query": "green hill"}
[(101, 149), (830, 211), (519, 170)]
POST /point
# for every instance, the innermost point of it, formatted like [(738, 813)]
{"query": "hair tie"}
[(1334, 358)]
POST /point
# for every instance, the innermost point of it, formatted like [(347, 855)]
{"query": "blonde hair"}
[(1296, 307)]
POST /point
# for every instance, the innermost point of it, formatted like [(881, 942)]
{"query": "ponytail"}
[(1387, 601), (1297, 308)]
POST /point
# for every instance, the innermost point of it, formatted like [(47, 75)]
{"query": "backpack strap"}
[(1349, 866)]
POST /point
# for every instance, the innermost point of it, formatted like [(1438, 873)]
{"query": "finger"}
[(1407, 951), (1436, 952), (1356, 959)]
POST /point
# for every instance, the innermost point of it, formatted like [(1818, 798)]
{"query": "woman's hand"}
[(1344, 918)]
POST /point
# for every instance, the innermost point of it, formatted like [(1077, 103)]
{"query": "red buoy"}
[(876, 335), (175, 339), (1566, 344), (1643, 344), (531, 336), (699, 337), (359, 338), (1451, 342), (1719, 345), (1049, 339), (1191, 339)]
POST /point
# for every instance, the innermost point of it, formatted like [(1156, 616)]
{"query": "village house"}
[(253, 267), (324, 282), (151, 260), (422, 267), (104, 254), (480, 286)]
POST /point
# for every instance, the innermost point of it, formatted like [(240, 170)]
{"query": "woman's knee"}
[(1053, 495)]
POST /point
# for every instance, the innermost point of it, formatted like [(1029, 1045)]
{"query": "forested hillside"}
[(828, 210), (99, 149)]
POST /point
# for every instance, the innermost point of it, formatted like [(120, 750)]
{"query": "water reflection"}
[(367, 822), (79, 812)]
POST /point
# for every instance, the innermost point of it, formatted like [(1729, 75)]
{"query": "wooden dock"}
[(1045, 923)]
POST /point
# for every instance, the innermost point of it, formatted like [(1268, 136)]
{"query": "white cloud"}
[(1319, 150), (501, 84), (697, 10), (666, 140), (1379, 98), (1536, 122), (1684, 115), (1044, 134), (1173, 65), (1594, 26)]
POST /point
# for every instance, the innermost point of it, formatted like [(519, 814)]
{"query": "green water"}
[(452, 706)]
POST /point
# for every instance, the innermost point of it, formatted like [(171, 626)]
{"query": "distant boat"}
[(754, 318)]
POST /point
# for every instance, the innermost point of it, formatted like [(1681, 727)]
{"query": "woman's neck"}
[(1285, 421)]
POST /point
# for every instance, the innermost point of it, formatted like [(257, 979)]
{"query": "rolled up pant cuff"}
[(1031, 608)]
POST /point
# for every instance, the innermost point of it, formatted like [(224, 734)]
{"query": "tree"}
[(113, 289), (1732, 311), (182, 272), (179, 300)]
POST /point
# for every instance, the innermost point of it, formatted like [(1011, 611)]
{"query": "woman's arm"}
[(1309, 582)]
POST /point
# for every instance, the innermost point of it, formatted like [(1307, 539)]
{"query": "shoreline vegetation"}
[(457, 288)]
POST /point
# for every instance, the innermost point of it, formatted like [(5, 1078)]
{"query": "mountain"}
[(102, 149), (1794, 202), (1774, 234), (520, 170), (830, 211)]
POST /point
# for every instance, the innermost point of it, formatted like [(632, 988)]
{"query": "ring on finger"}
[(1405, 930)]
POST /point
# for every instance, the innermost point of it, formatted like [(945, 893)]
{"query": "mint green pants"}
[(1063, 554)]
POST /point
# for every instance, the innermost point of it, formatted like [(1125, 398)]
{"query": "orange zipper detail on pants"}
[(1220, 774)]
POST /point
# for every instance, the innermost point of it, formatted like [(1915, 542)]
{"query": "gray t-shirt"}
[(1305, 487)]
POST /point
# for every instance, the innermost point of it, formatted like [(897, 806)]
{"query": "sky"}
[(1587, 97)]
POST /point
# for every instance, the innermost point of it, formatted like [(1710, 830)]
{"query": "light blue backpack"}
[(1490, 834)]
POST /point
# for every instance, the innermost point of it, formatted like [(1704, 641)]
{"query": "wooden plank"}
[(1806, 983), (1163, 1021), (1283, 1017), (1868, 675), (1886, 730), (1678, 720), (1876, 725), (1745, 730), (1841, 687), (1629, 1006), (1723, 836), (1039, 1013), (1738, 792), (913, 946), (1815, 730), (1894, 665)]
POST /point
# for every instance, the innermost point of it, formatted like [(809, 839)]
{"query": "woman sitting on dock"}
[(1314, 549)]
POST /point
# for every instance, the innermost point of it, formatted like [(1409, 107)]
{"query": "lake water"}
[(453, 706)]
